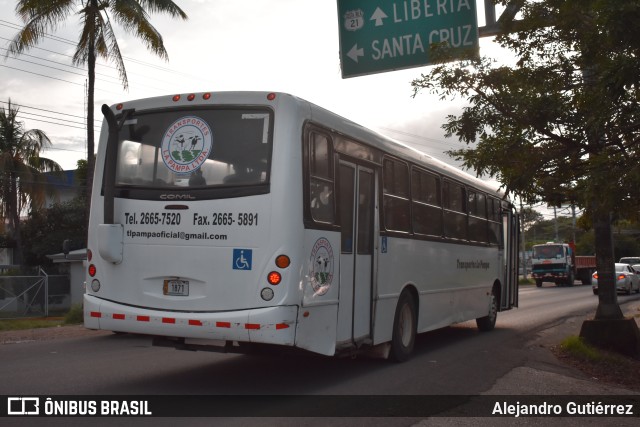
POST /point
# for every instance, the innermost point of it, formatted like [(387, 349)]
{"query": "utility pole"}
[(555, 225), (573, 223), (524, 246)]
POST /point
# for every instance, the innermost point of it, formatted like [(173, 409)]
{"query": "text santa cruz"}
[(411, 43)]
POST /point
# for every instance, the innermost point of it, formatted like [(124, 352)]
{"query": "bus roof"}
[(398, 149), (326, 118)]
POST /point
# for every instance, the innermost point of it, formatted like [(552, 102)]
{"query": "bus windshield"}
[(198, 148), (547, 252)]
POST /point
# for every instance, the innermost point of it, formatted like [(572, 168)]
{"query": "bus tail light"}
[(89, 255), (274, 278), (92, 270), (283, 261), (95, 285)]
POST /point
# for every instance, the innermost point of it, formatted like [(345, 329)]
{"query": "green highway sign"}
[(385, 35)]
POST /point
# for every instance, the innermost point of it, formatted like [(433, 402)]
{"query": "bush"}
[(74, 316)]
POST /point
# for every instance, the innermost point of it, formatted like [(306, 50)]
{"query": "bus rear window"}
[(204, 148)]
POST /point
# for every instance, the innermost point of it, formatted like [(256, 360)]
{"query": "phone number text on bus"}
[(242, 219)]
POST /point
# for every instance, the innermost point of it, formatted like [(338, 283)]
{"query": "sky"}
[(279, 45)]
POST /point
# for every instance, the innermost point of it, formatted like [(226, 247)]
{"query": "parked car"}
[(627, 279), (631, 260)]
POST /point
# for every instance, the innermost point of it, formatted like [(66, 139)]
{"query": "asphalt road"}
[(457, 360)]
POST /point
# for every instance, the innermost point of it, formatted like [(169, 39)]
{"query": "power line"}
[(18, 27), (41, 75), (62, 54), (413, 135), (48, 66), (22, 113), (71, 72), (118, 82), (49, 117), (59, 63), (66, 149), (42, 109), (134, 60), (55, 123), (429, 143)]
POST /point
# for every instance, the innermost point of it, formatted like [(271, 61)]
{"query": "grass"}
[(72, 317), (576, 347), (526, 281)]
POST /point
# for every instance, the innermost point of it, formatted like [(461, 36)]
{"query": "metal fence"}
[(34, 296)]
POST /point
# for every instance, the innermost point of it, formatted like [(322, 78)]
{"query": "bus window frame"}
[(198, 193), (309, 221), (396, 197), (415, 200)]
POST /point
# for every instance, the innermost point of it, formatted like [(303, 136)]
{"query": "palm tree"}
[(21, 180), (97, 38)]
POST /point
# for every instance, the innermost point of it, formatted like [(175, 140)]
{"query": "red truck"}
[(557, 263)]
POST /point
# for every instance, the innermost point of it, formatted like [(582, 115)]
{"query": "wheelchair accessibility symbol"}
[(242, 259)]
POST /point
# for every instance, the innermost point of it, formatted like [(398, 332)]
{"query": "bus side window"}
[(455, 217), (396, 195), (478, 226), (321, 180), (495, 221), (426, 209)]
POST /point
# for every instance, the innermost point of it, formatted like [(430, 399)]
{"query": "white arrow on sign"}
[(355, 53), (378, 16)]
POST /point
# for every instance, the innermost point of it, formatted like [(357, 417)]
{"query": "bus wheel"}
[(538, 283), (404, 328), (488, 322)]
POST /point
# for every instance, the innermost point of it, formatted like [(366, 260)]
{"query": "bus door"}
[(511, 229), (356, 198)]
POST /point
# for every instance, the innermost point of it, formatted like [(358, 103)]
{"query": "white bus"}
[(220, 221)]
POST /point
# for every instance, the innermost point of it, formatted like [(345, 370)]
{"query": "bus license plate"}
[(174, 287)]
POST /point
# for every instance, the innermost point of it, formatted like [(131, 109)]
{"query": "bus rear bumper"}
[(272, 325)]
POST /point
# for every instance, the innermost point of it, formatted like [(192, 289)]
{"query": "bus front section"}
[(180, 243)]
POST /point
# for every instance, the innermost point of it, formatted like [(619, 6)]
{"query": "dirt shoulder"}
[(39, 334), (611, 368)]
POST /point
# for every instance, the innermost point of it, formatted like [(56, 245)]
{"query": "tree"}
[(22, 180), (563, 123), (529, 216), (97, 38), (45, 230)]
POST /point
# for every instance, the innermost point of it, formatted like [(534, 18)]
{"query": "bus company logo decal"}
[(186, 144), (321, 266)]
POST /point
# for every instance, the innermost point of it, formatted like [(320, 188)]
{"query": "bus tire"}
[(538, 283), (488, 322), (404, 328)]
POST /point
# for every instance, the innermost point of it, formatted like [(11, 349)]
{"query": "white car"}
[(627, 279)]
